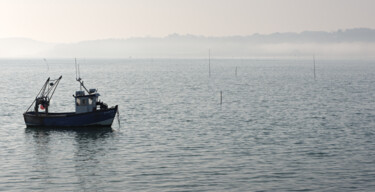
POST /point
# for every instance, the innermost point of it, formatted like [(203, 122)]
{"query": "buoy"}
[(41, 107)]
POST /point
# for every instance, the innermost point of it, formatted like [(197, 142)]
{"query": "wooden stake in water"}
[(221, 97), (209, 62), (45, 60), (314, 68)]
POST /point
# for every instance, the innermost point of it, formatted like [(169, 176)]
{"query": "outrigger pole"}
[(45, 94)]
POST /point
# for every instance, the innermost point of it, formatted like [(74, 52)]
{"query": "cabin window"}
[(84, 101), (81, 101), (90, 101), (78, 102)]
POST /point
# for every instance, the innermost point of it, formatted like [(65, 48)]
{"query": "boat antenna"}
[(79, 72), (79, 79)]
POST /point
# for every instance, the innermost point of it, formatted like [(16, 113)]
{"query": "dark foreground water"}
[(276, 130)]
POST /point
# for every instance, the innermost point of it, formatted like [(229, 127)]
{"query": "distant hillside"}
[(22, 47), (351, 43)]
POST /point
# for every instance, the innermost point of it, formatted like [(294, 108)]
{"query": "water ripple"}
[(276, 130)]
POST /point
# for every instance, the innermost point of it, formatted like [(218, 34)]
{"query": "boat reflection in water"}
[(75, 160)]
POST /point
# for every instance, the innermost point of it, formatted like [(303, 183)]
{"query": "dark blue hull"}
[(100, 118)]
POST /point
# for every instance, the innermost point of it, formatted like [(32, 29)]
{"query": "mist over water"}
[(357, 43), (277, 129)]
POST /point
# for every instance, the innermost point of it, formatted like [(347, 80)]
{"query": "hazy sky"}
[(77, 20)]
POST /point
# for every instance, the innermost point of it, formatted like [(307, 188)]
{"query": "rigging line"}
[(44, 87), (38, 94), (56, 84)]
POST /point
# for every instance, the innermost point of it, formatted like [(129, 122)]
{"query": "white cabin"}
[(86, 103)]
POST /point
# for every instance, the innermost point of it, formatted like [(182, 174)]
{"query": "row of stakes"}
[(221, 92)]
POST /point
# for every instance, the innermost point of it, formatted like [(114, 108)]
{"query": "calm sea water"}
[(276, 130)]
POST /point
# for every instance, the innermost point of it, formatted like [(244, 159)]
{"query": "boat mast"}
[(78, 74), (78, 77)]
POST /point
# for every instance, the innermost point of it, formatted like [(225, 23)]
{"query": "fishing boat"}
[(89, 110)]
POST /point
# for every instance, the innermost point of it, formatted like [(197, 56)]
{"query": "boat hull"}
[(100, 118)]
